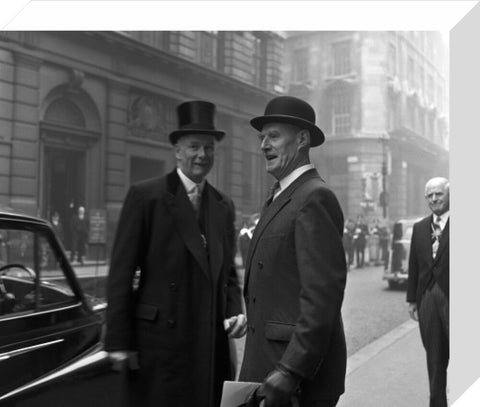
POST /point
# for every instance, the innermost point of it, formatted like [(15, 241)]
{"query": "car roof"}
[(10, 214)]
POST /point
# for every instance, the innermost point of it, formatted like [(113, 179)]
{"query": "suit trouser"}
[(434, 328)]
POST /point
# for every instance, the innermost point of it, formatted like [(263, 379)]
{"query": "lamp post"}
[(384, 193)]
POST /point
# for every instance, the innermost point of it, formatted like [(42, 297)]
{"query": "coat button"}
[(173, 287), (171, 323), (260, 265), (254, 299)]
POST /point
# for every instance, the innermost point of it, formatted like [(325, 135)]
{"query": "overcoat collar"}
[(273, 209), (188, 228)]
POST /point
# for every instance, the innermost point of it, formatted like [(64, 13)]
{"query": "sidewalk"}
[(389, 372)]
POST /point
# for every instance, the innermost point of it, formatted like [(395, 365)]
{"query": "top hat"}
[(195, 117), (291, 110)]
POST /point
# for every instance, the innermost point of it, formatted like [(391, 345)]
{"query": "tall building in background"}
[(83, 115), (382, 102)]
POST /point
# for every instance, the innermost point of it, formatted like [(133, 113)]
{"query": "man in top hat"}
[(296, 270), (172, 327)]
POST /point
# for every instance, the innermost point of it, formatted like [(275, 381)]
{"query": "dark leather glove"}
[(278, 388)]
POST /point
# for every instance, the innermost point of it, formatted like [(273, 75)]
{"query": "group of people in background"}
[(359, 238), (78, 236)]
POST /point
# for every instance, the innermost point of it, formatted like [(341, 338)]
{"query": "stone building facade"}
[(382, 102), (83, 115)]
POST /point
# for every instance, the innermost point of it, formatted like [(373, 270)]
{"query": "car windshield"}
[(31, 274)]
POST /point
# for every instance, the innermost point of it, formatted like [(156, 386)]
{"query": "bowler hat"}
[(195, 117), (291, 110)]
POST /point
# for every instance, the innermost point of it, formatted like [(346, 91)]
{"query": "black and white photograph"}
[(224, 217)]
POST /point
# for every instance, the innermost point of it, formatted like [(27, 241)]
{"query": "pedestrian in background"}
[(428, 285), (296, 270), (360, 240), (384, 240), (178, 230), (79, 228), (57, 226), (348, 233)]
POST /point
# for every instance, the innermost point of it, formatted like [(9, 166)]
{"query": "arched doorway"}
[(70, 156)]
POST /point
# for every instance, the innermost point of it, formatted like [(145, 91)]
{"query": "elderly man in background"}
[(428, 285)]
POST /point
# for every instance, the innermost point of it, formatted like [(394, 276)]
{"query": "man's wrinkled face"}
[(280, 147), (437, 195), (195, 155)]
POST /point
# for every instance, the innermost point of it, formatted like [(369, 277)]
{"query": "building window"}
[(341, 112), (208, 48), (421, 122), (300, 65), (410, 72), (393, 113), (430, 89), (440, 97), (392, 60), (65, 112), (259, 58), (421, 79), (411, 114), (341, 58)]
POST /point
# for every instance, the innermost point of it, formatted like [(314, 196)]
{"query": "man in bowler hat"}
[(296, 270), (178, 231), (428, 285)]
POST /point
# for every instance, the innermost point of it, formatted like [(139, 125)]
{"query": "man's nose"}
[(202, 152), (265, 144)]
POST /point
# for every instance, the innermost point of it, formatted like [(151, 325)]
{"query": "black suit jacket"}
[(422, 268), (294, 287), (174, 318)]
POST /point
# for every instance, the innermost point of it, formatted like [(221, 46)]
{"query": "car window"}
[(31, 275)]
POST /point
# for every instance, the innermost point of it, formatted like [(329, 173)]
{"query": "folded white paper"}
[(237, 393)]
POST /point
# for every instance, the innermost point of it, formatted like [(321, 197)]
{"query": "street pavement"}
[(388, 372)]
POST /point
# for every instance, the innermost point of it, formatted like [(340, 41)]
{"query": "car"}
[(396, 274), (51, 350)]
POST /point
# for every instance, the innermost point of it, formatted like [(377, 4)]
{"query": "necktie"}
[(273, 190), (436, 235), (195, 197)]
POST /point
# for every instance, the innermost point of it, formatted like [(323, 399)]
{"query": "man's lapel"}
[(271, 212), (185, 220), (214, 222)]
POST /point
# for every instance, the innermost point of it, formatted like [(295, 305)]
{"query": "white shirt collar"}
[(443, 218), (188, 183), (288, 180)]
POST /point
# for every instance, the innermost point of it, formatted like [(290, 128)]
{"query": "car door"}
[(45, 321)]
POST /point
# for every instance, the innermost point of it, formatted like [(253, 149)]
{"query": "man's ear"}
[(177, 150), (303, 138)]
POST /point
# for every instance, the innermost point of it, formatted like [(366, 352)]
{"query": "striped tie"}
[(436, 235)]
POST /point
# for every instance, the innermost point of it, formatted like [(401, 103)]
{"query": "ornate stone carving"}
[(147, 117)]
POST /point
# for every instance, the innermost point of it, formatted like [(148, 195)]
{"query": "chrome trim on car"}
[(99, 356), (8, 355), (33, 314)]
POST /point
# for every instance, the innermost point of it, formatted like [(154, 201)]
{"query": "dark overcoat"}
[(295, 281), (174, 319), (423, 269)]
